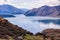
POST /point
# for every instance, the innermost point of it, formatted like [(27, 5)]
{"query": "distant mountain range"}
[(10, 10), (44, 11)]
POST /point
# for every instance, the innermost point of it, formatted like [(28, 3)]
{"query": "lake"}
[(35, 24)]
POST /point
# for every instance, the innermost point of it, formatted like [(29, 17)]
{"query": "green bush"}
[(31, 37)]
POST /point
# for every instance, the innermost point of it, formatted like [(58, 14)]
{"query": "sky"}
[(29, 4)]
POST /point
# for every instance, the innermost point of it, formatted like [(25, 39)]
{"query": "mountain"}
[(10, 10), (44, 11)]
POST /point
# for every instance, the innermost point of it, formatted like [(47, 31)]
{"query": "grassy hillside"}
[(32, 37)]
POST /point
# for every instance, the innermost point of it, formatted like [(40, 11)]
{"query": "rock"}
[(52, 34)]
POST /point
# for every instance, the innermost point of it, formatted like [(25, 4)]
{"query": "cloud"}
[(30, 25), (45, 2), (39, 3), (6, 2), (50, 25), (30, 3), (1, 1)]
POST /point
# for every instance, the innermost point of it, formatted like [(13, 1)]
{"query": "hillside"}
[(52, 34), (44, 11), (9, 10), (9, 31)]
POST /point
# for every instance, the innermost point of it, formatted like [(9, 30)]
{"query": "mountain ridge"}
[(6, 9), (44, 11)]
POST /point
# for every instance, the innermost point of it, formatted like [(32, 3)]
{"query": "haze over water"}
[(35, 24)]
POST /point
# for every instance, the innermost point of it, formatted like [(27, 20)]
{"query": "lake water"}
[(35, 24)]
